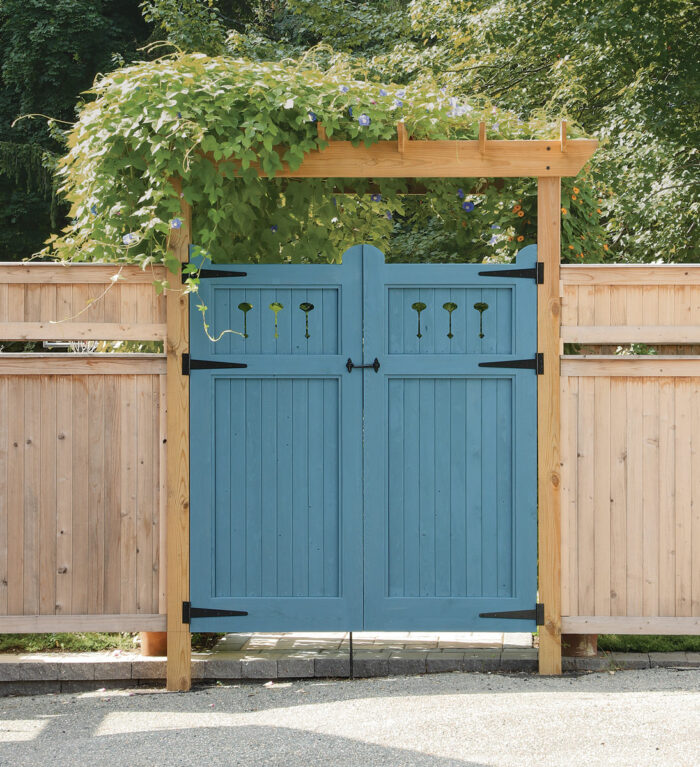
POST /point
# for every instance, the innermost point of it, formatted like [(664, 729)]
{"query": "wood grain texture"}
[(631, 274), (447, 159), (179, 674), (630, 457), (626, 334), (30, 624), (12, 273), (79, 506), (630, 366), (548, 419), (71, 331), (594, 624)]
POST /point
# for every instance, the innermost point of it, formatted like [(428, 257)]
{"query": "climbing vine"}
[(214, 120)]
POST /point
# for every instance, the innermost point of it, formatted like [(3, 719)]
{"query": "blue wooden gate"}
[(400, 495)]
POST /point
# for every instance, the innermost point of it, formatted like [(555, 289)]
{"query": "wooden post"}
[(178, 460), (548, 454), (579, 645)]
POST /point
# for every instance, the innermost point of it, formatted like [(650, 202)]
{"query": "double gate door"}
[(370, 461)]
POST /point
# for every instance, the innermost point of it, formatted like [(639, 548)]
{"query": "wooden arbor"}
[(548, 161)]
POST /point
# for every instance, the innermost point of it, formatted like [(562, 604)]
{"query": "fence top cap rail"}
[(60, 272), (81, 355), (630, 274)]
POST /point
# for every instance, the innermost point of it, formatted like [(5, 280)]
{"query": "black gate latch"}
[(189, 612), (536, 615), (350, 365)]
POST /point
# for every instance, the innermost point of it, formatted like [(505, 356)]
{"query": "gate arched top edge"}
[(364, 250), (526, 256)]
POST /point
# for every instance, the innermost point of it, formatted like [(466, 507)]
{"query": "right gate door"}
[(450, 444)]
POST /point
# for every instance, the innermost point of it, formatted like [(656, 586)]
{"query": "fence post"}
[(548, 412), (179, 676)]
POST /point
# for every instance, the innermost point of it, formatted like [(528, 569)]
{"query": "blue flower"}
[(389, 215), (334, 201), (397, 103), (376, 198), (460, 194), (350, 111), (176, 223), (383, 92), (127, 239), (495, 127), (93, 210), (344, 89), (273, 228), (179, 115), (364, 120), (468, 206), (401, 92), (495, 226), (493, 240), (312, 117)]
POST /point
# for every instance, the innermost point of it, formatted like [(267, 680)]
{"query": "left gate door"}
[(275, 527)]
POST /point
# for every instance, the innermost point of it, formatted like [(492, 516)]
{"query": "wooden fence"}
[(82, 453), (630, 443)]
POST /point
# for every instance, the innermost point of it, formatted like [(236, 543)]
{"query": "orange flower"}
[(598, 210), (510, 239), (573, 197), (605, 247), (464, 224), (521, 213), (576, 190), (580, 255), (520, 238), (571, 247), (563, 210), (516, 208)]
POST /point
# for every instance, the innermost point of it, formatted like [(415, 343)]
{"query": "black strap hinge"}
[(190, 364), (189, 612), (536, 273), (205, 274), (536, 615), (535, 363)]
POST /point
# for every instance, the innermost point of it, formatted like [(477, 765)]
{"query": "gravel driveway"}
[(649, 717)]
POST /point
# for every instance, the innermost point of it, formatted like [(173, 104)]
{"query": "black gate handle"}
[(350, 365)]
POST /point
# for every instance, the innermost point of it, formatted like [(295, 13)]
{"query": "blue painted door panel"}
[(275, 525), (450, 448), (397, 500)]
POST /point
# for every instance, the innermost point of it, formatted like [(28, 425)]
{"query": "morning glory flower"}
[(312, 117), (289, 104), (401, 92), (364, 120), (460, 194), (397, 103), (93, 210), (468, 206), (176, 223), (495, 226), (389, 215), (383, 92), (273, 228), (350, 111), (496, 126), (376, 198), (453, 102), (127, 239), (493, 240), (344, 89), (179, 115)]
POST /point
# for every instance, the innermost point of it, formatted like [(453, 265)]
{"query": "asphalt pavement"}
[(649, 717)]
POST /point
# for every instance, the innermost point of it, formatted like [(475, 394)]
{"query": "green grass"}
[(21, 643), (643, 643)]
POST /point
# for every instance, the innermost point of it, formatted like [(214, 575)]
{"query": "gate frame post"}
[(179, 672), (548, 415)]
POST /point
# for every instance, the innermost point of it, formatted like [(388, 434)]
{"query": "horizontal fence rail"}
[(630, 438), (50, 302), (82, 492)]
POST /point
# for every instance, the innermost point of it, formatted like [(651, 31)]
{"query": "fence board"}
[(80, 489)]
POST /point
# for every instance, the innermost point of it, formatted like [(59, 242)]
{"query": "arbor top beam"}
[(446, 159)]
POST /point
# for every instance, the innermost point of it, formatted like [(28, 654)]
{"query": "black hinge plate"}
[(536, 615), (535, 363), (190, 364), (205, 274), (189, 612), (536, 273)]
